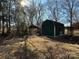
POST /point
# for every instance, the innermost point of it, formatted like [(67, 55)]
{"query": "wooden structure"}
[(33, 30), (68, 30), (52, 28), (74, 29)]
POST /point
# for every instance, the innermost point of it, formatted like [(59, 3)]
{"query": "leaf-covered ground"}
[(38, 47)]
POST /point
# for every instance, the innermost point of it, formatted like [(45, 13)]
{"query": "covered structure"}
[(33, 30), (52, 28)]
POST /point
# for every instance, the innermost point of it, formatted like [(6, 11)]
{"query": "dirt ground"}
[(38, 47)]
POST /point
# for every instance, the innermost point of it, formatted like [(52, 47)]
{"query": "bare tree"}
[(69, 6), (75, 16), (34, 12), (7, 14), (40, 13), (54, 9), (3, 15)]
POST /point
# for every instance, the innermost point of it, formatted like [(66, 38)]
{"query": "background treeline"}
[(16, 17)]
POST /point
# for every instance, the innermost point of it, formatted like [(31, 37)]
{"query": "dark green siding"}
[(48, 28)]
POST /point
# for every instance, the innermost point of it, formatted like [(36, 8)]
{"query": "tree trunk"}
[(71, 29), (2, 22)]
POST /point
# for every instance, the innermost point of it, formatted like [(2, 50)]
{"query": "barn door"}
[(54, 30)]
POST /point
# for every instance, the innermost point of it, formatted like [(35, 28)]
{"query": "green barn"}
[(52, 28)]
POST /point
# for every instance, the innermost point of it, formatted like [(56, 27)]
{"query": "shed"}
[(68, 30), (33, 30), (52, 28)]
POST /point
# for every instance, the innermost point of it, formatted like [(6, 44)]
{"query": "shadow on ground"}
[(66, 39)]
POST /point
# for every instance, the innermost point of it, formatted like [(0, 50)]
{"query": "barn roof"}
[(54, 22), (33, 26)]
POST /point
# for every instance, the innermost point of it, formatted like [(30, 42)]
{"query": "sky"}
[(63, 20), (24, 3)]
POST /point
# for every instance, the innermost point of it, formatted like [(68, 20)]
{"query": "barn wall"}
[(48, 29), (52, 28)]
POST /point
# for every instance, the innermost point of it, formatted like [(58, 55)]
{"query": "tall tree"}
[(20, 16), (3, 5), (40, 13), (69, 6), (34, 12), (53, 8)]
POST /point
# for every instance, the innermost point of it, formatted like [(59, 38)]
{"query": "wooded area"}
[(14, 15), (34, 29)]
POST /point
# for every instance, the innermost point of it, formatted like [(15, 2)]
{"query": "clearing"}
[(38, 47)]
